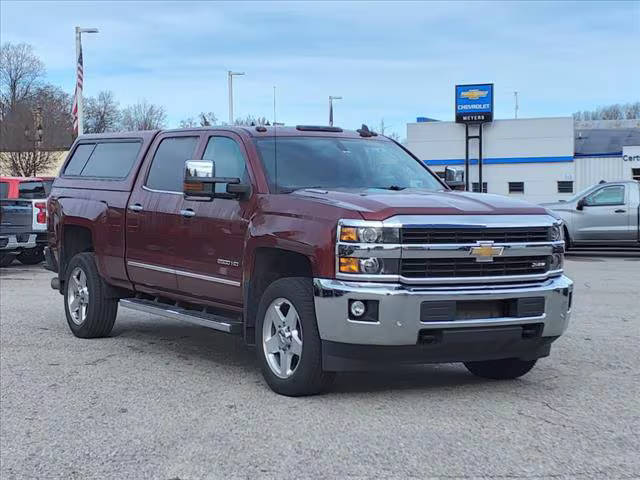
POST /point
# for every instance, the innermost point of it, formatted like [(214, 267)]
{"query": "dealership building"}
[(537, 159)]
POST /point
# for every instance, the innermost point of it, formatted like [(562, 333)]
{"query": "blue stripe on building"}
[(493, 161)]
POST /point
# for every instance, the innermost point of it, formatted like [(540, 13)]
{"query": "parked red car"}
[(23, 218)]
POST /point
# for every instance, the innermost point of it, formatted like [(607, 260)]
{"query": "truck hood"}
[(378, 204)]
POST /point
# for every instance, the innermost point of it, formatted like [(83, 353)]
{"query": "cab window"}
[(228, 160), (167, 167), (611, 195)]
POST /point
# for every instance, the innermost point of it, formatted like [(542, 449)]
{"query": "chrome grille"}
[(469, 267), (414, 235)]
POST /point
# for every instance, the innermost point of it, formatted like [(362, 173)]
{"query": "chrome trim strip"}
[(182, 273), (463, 250), (470, 221), (379, 250), (447, 280), (144, 187)]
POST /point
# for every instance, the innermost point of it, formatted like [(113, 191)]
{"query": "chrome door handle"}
[(620, 210), (136, 207), (188, 213)]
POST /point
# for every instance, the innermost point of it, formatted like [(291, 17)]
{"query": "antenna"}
[(275, 141)]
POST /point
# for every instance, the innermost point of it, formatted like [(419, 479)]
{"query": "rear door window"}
[(31, 190), (167, 167), (79, 159), (111, 160)]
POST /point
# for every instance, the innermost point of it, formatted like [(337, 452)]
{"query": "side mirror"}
[(581, 203), (199, 181), (454, 177)]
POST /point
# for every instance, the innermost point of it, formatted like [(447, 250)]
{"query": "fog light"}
[(369, 265), (358, 308), (556, 262)]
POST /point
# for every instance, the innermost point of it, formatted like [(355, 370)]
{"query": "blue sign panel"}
[(474, 103)]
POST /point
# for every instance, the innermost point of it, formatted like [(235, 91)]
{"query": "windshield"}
[(325, 162)]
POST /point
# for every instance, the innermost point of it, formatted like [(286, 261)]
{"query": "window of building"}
[(167, 167), (565, 187), (611, 195), (476, 187), (635, 174), (228, 160), (516, 187), (111, 160)]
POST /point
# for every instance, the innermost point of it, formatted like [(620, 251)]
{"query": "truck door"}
[(153, 212), (211, 240), (605, 215)]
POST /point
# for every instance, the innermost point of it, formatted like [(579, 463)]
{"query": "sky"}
[(392, 61)]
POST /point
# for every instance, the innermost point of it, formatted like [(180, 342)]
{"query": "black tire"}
[(567, 240), (32, 256), (102, 309), (308, 378), (6, 259), (505, 369)]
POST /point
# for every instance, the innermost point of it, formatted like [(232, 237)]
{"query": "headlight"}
[(555, 233), (369, 234), (369, 265)]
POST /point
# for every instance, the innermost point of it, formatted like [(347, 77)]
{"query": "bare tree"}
[(629, 111), (35, 131), (101, 113), (250, 120), (143, 116), (20, 74), (205, 119)]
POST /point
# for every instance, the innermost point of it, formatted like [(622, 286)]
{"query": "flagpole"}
[(78, 96), (79, 105)]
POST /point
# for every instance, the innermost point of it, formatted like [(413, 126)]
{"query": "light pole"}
[(230, 75), (80, 75), (331, 99), (515, 96)]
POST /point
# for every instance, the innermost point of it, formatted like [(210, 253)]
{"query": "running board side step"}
[(208, 320)]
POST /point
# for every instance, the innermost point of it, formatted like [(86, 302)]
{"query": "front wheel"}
[(90, 311), (288, 344), (32, 256), (505, 369)]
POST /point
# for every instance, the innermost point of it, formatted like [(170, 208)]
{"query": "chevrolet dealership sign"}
[(474, 103)]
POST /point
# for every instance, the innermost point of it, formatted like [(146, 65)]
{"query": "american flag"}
[(74, 110)]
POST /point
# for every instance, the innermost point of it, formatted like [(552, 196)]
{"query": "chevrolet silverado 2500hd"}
[(328, 250)]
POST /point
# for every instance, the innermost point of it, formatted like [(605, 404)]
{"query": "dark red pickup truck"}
[(328, 250)]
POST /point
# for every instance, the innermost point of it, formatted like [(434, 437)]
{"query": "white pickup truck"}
[(604, 214)]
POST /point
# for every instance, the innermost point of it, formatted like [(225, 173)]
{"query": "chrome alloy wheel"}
[(78, 296), (282, 338)]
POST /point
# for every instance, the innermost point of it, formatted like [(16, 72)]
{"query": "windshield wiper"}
[(395, 188)]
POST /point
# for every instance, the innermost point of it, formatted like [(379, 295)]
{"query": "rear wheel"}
[(504, 369), (90, 311), (288, 344), (32, 256)]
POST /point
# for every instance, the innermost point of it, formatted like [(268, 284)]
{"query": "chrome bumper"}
[(13, 244), (399, 309)]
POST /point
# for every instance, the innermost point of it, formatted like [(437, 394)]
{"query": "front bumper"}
[(399, 336)]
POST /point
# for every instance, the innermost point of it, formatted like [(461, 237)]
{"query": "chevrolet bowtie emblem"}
[(485, 251), (474, 94)]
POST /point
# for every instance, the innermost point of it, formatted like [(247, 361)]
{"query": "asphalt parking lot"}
[(165, 400)]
